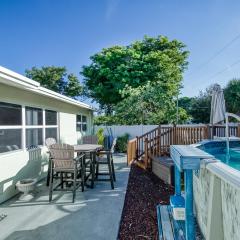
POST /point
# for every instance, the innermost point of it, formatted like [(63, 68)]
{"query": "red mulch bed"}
[(139, 217)]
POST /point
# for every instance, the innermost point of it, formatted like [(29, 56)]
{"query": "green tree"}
[(232, 96), (56, 79), (105, 120), (186, 103), (147, 104), (198, 108), (201, 108), (150, 60)]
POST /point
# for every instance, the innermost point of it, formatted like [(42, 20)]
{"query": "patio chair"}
[(91, 139), (49, 142), (105, 157), (71, 169)]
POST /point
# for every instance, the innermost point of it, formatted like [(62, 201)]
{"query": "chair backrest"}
[(91, 139), (113, 145), (62, 155), (50, 141)]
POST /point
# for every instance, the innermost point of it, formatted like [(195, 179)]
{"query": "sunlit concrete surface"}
[(95, 214)]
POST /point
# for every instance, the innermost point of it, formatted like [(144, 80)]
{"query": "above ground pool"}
[(217, 148)]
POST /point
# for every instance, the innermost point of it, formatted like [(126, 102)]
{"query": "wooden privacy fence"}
[(157, 141)]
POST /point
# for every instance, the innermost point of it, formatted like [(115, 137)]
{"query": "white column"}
[(23, 127), (44, 127)]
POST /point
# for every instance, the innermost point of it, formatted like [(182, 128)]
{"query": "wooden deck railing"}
[(169, 135), (153, 134), (220, 130), (131, 150), (157, 141)]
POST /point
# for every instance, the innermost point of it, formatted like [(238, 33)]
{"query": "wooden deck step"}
[(163, 167), (168, 228)]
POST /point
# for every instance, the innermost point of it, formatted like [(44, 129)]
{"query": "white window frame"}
[(43, 126), (4, 127), (35, 126), (24, 127), (81, 122), (50, 126)]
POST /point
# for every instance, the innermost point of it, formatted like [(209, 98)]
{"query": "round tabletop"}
[(87, 147)]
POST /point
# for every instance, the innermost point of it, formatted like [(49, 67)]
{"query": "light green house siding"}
[(21, 164)]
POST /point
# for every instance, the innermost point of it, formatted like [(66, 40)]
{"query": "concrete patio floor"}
[(95, 214)]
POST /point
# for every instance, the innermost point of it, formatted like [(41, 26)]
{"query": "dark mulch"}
[(139, 217)]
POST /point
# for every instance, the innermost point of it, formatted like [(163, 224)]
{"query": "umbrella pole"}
[(211, 137), (227, 136)]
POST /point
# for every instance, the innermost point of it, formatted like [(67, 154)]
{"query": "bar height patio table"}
[(92, 149)]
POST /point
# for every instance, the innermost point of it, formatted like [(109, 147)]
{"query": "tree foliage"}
[(199, 107), (232, 96), (122, 142), (56, 79), (150, 61), (147, 104)]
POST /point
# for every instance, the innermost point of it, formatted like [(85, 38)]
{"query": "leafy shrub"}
[(122, 141), (104, 120), (100, 136)]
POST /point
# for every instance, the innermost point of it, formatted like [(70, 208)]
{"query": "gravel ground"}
[(139, 217)]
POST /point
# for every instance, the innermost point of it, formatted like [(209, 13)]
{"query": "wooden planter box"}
[(163, 167)]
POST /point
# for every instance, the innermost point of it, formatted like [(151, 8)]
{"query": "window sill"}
[(12, 152)]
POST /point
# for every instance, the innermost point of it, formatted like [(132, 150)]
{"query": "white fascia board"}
[(17, 77), (11, 78)]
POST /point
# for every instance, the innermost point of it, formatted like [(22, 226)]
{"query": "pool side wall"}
[(229, 195)]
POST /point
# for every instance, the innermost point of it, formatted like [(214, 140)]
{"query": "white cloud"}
[(111, 8)]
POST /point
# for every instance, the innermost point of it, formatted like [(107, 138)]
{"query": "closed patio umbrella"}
[(218, 109)]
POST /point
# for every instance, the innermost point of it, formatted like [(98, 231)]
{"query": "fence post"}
[(159, 141), (146, 152), (128, 152), (214, 131), (238, 130), (207, 132), (174, 134), (137, 145)]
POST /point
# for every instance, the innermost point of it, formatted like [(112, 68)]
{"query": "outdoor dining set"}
[(74, 166)]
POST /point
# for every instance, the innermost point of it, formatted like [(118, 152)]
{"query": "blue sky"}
[(68, 32)]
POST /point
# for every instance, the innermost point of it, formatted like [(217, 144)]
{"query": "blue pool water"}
[(218, 150)]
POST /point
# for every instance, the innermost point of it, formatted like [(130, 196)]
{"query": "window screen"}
[(34, 116), (50, 117), (34, 137), (10, 114), (51, 133)]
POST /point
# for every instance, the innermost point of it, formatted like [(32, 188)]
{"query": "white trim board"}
[(11, 78)]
